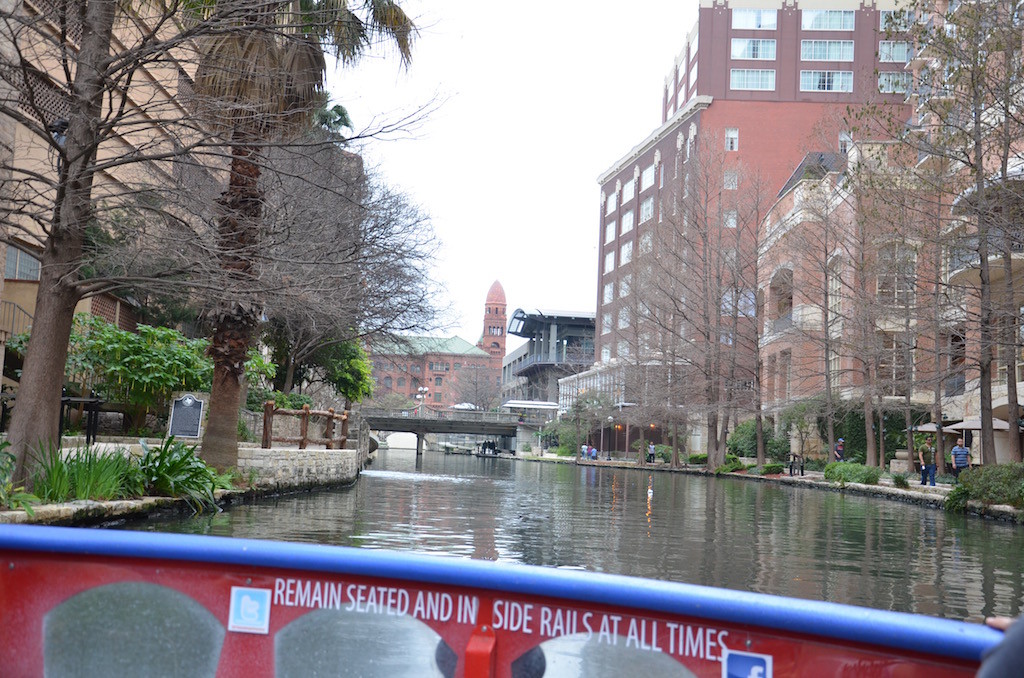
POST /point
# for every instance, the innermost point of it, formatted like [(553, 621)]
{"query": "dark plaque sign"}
[(186, 417)]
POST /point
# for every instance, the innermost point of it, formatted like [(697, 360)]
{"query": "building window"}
[(826, 81), (628, 191), (894, 21), (752, 79), (835, 289), (749, 48), (610, 204), (894, 52), (606, 323), (826, 50), (893, 82), (21, 265), (626, 253), (827, 19), (895, 363), (732, 139), (623, 349), (606, 353), (646, 209), (627, 222), (623, 318), (609, 293), (754, 19), (693, 76), (609, 231), (845, 141), (730, 180), (730, 218), (625, 285), (438, 381), (896, 278), (647, 178), (646, 243), (609, 262)]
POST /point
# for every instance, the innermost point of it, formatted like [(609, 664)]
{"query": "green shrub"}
[(843, 472), (527, 448), (10, 496), (900, 480), (174, 470), (742, 441), (698, 458), (563, 451), (998, 484), (815, 464), (731, 465), (772, 469), (956, 500), (256, 397)]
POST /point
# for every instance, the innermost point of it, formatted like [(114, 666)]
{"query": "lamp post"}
[(608, 452), (421, 396)]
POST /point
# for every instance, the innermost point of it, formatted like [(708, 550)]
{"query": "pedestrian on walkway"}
[(926, 455), (839, 454), (961, 458)]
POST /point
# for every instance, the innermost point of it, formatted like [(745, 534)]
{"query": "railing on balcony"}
[(13, 318), (574, 360)]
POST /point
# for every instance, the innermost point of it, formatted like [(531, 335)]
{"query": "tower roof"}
[(496, 295)]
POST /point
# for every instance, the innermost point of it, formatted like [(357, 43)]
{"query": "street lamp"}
[(421, 396)]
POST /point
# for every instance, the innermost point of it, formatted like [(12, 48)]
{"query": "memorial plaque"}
[(186, 417)]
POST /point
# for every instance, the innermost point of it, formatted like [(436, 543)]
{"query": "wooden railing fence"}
[(303, 439)]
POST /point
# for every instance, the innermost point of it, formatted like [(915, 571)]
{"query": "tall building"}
[(753, 90), (492, 339)]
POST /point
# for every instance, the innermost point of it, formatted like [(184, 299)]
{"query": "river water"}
[(727, 532)]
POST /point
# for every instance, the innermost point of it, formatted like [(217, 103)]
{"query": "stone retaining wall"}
[(286, 468)]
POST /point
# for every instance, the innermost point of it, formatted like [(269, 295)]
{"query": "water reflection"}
[(720, 532)]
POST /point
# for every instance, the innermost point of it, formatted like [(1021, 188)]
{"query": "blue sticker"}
[(746, 665), (250, 610)]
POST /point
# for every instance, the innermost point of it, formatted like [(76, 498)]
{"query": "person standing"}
[(926, 455), (961, 458), (839, 453)]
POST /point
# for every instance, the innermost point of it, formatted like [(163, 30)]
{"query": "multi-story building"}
[(442, 372), (753, 90), (560, 344)]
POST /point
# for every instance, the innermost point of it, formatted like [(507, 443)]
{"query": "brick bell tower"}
[(495, 322)]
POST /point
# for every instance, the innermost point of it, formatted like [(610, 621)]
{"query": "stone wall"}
[(294, 468)]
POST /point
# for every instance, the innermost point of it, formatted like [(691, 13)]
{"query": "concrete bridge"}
[(422, 421)]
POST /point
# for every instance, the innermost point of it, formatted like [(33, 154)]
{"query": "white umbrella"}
[(931, 427), (974, 424)]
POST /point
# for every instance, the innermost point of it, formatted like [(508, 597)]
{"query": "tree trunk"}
[(235, 320), (35, 419)]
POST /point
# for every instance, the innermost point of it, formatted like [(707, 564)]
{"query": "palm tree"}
[(262, 83)]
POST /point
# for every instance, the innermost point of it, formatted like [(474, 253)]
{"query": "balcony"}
[(964, 265)]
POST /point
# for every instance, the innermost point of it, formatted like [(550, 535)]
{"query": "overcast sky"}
[(531, 103)]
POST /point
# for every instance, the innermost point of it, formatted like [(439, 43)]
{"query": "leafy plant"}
[(772, 469), (900, 481), (51, 478), (998, 484), (10, 496), (699, 458), (732, 464), (843, 472), (98, 476), (956, 500), (174, 470)]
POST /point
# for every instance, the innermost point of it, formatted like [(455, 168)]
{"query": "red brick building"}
[(752, 92), (446, 371)]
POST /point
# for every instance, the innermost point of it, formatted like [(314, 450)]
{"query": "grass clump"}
[(844, 472), (84, 473), (698, 458), (772, 469), (731, 465), (900, 480)]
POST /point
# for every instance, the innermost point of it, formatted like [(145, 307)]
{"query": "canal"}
[(739, 534)]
